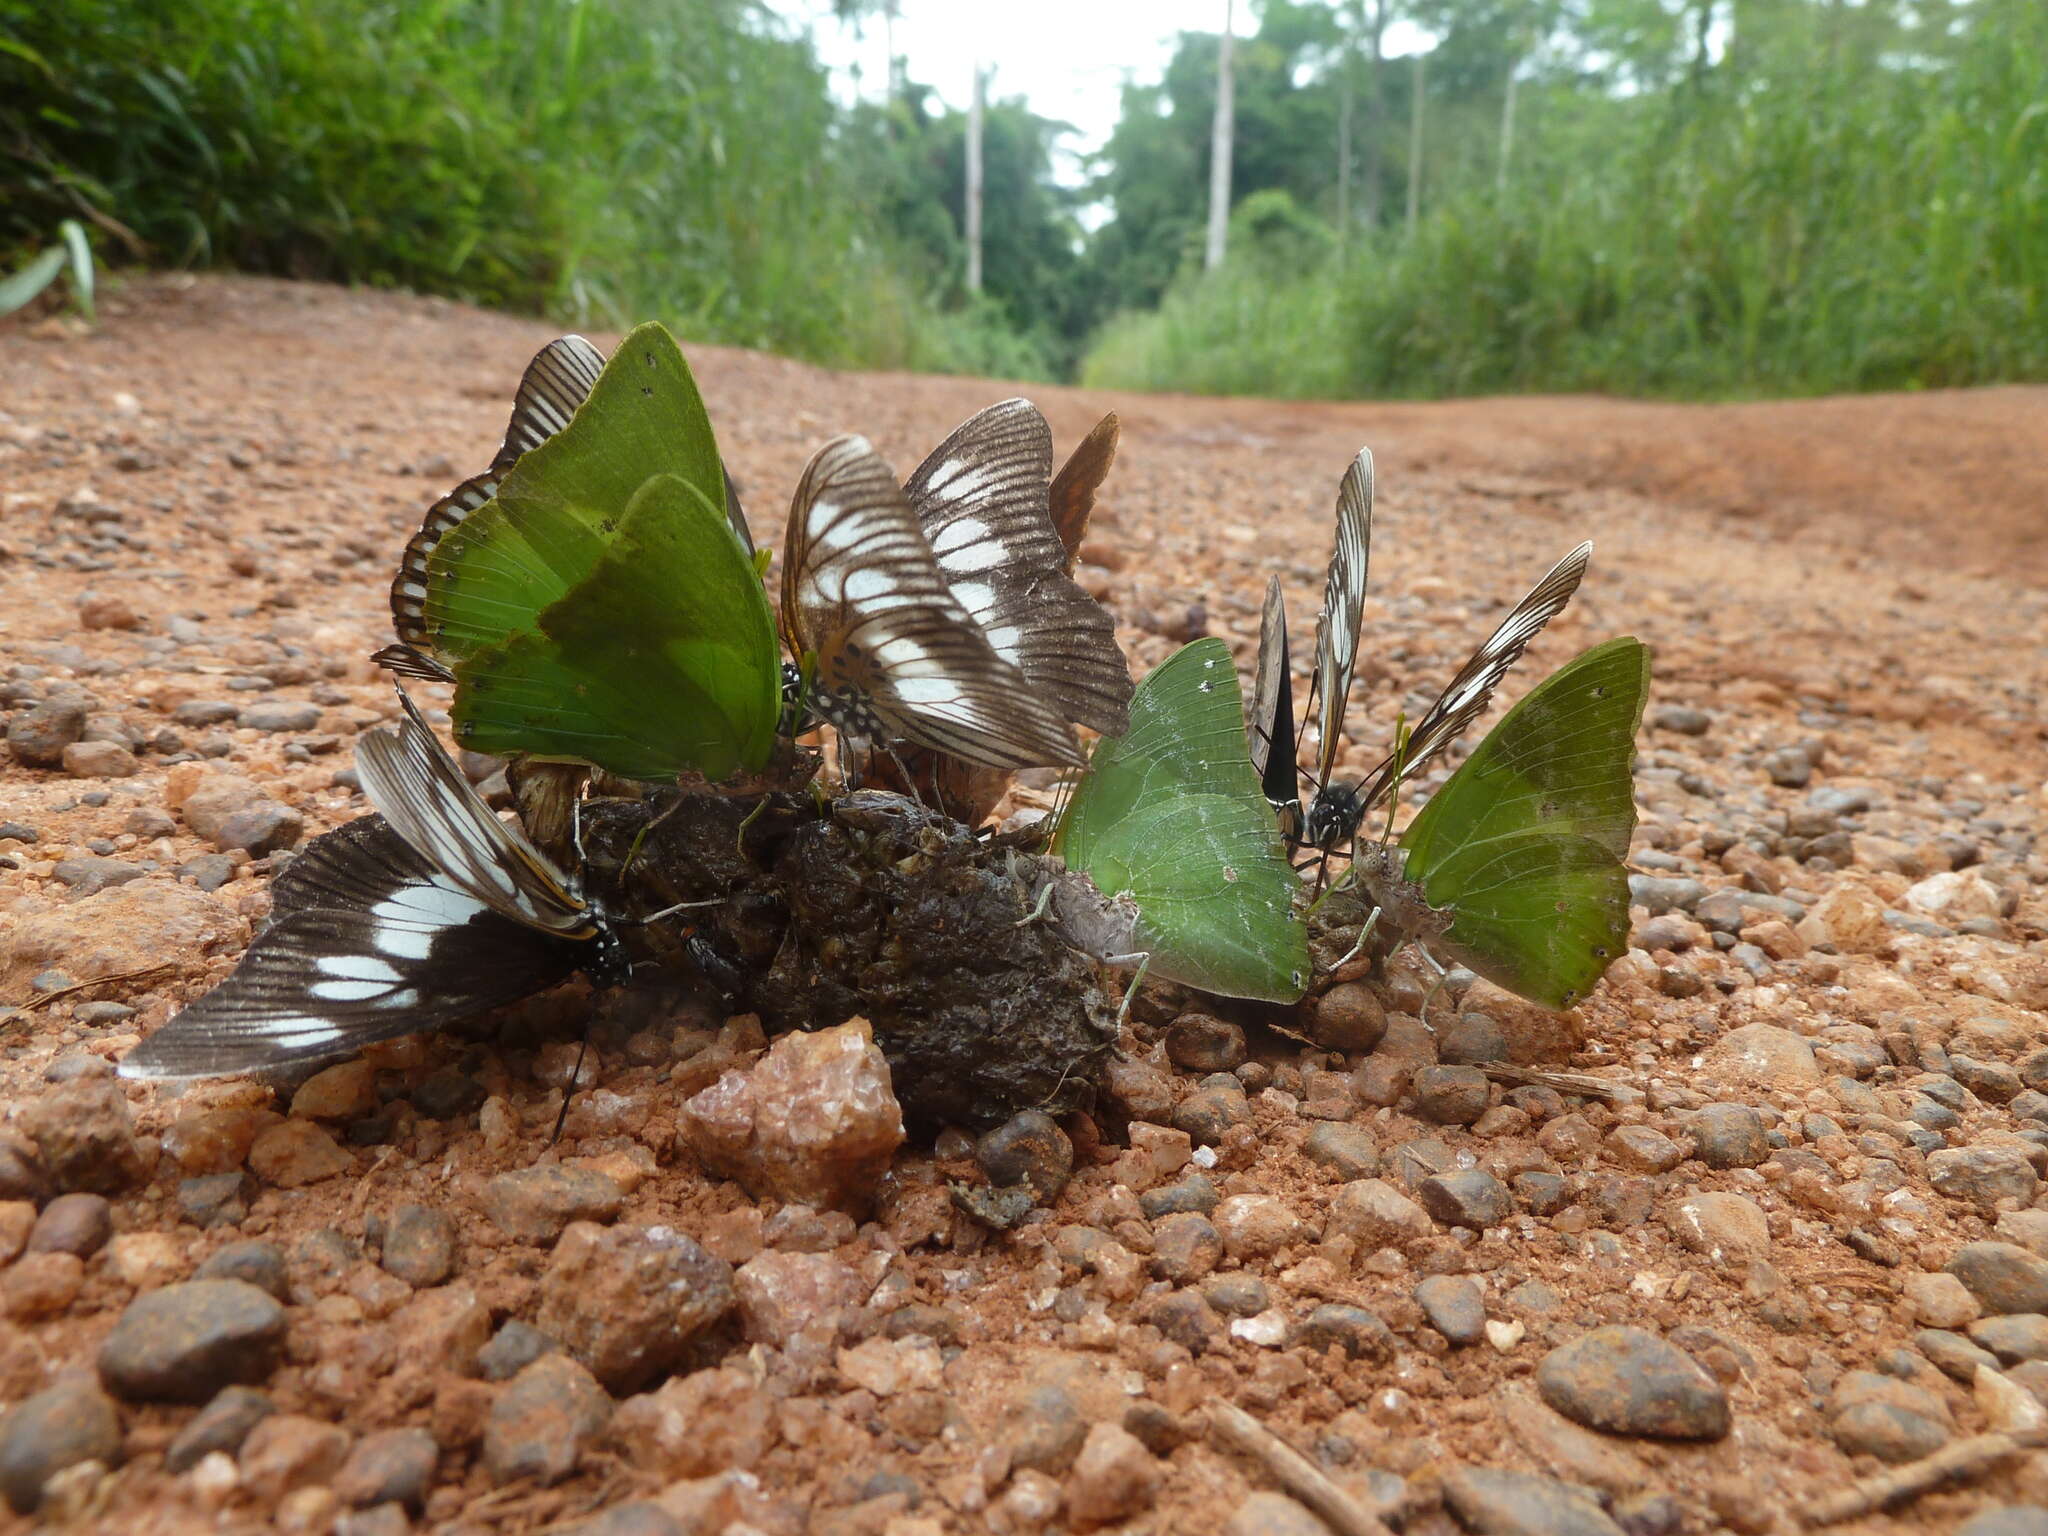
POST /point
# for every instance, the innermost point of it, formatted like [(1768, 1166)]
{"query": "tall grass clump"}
[(598, 160), (1804, 231)]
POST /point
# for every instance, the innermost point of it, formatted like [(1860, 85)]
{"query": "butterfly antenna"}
[(640, 837), (1400, 766), (569, 1092)]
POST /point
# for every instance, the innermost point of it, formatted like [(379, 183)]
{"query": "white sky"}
[(1068, 58)]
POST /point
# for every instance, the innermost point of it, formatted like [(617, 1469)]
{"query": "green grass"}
[(601, 161), (1822, 233)]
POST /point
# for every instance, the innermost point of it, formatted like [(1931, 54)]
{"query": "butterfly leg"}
[(1144, 963), (1038, 911), (681, 906), (909, 778), (1442, 976), (1364, 933)]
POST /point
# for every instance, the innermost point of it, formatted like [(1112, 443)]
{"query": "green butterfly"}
[(1170, 825), (1516, 865), (605, 605)]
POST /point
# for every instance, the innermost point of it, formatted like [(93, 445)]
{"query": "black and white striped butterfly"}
[(434, 911), (1272, 730), (984, 499), (1338, 809), (554, 386), (891, 652)]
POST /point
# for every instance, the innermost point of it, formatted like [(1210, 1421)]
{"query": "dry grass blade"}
[(1965, 1458), (98, 981), (1294, 1472)]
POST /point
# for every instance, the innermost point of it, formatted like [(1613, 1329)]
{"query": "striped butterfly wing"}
[(1073, 489), (367, 941), (1343, 607), (1465, 698), (556, 382), (982, 498), (896, 654), (1271, 727), (413, 781)]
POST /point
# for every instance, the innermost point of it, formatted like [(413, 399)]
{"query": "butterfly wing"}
[(863, 592), (1467, 695), (555, 383), (1271, 727), (1343, 608), (1072, 497), (982, 499), (662, 658), (412, 780), (557, 507), (367, 942), (1525, 844), (1173, 814)]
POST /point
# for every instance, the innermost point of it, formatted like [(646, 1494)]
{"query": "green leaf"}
[(1172, 813), (1525, 844), (558, 507), (81, 264), (17, 288), (662, 659)]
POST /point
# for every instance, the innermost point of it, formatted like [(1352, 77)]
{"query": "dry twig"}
[(1965, 1458), (1294, 1472), (98, 981)]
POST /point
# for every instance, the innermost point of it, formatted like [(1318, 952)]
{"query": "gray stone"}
[(1471, 1039), (1211, 1110), (38, 736), (1454, 1307), (185, 1342), (222, 1425), (1729, 1136), (85, 1136), (628, 1302), (1451, 1095), (536, 1204), (512, 1349), (1493, 1502), (1349, 1017), (58, 1427), (1198, 1042), (1029, 1148), (1196, 1192), (1630, 1382), (1237, 1294), (252, 1261), (1350, 1151), (75, 1224), (419, 1245), (391, 1466), (279, 716), (542, 1423), (196, 714), (1185, 1247), (2012, 1520), (1467, 1197), (1983, 1175), (2002, 1277), (1360, 1334), (1273, 1514), (1952, 1354), (216, 1199), (2013, 1338), (1044, 1429), (1665, 893), (260, 829)]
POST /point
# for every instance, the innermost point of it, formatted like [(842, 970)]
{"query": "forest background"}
[(1697, 198)]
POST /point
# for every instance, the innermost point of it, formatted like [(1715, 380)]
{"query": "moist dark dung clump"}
[(871, 905)]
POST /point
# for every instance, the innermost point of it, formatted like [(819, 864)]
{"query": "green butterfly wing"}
[(558, 507), (662, 658), (1525, 844), (1172, 812)]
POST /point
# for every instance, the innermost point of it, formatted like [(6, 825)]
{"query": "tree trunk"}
[(973, 210), (1375, 120), (1507, 131), (1415, 149), (1219, 148)]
